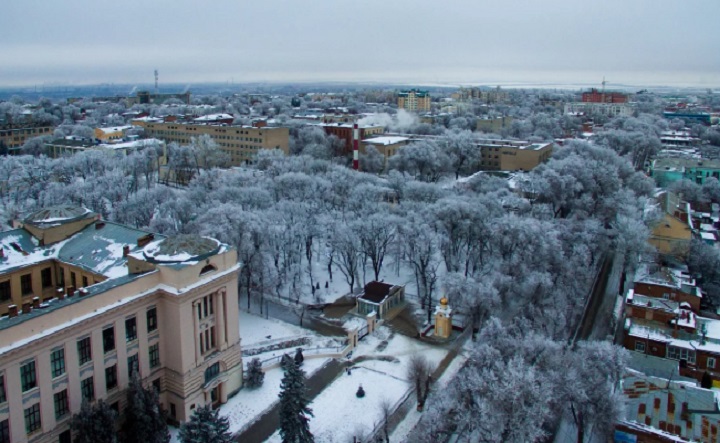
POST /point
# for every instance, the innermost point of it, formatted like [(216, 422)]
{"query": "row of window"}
[(677, 353), (28, 376), (87, 390), (26, 286)]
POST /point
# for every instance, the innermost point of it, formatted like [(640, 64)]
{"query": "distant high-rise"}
[(414, 100)]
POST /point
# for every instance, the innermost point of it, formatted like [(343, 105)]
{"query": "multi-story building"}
[(496, 95), (506, 155), (72, 145), (607, 109), (344, 131), (387, 146), (414, 100), (88, 303), (493, 125), (668, 170), (595, 96), (14, 135), (242, 143), (111, 133)]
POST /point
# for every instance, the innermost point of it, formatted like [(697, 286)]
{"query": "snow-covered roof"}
[(113, 129), (135, 144), (214, 117), (181, 249), (385, 140)]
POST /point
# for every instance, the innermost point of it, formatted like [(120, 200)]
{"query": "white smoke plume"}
[(403, 121)]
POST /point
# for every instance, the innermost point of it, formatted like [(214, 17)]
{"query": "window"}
[(87, 389), (57, 362), (130, 329), (152, 319), (212, 371), (26, 284), (711, 363), (111, 378), (205, 308), (32, 418), (155, 355), (73, 281), (61, 404), (109, 339), (156, 385), (640, 346), (4, 431), (46, 277), (27, 376), (5, 293), (84, 351), (61, 276), (133, 365), (85, 281), (681, 354), (3, 397)]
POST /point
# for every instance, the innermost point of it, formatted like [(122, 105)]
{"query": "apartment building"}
[(414, 100), (112, 133), (592, 108), (14, 135), (242, 143), (507, 155), (87, 303)]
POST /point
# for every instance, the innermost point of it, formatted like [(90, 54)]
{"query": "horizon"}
[(415, 43)]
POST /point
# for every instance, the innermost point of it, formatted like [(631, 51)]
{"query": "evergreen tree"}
[(205, 426), (294, 410), (94, 423), (255, 376), (145, 419)]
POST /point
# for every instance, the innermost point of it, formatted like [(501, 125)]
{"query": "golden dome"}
[(444, 301)]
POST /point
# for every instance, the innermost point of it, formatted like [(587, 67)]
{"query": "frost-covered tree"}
[(294, 410), (205, 426), (94, 423), (145, 420), (372, 161), (255, 374)]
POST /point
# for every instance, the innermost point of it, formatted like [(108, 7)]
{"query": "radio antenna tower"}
[(156, 81)]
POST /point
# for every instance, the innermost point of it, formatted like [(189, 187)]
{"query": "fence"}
[(316, 352), (275, 345)]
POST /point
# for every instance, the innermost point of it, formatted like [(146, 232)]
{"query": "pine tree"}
[(294, 410), (145, 420), (94, 424), (205, 426), (255, 376)]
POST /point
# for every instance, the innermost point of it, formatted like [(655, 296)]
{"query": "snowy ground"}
[(339, 414), (391, 272)]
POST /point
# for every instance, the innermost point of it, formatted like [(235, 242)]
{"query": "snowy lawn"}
[(338, 414), (256, 330), (249, 404)]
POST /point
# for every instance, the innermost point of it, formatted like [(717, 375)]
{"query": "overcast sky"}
[(639, 42)]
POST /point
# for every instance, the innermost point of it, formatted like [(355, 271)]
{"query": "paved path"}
[(268, 423)]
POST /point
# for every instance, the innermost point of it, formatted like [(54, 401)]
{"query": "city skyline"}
[(463, 42)]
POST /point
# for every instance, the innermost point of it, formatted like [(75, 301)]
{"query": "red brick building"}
[(595, 96), (344, 131)]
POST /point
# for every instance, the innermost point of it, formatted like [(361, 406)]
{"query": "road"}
[(268, 423)]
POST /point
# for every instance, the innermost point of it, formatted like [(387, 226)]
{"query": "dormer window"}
[(207, 268)]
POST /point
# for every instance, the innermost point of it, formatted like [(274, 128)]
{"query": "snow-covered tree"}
[(294, 410), (205, 426), (94, 423), (255, 374), (145, 420)]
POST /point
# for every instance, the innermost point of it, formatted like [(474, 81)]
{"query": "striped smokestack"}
[(356, 138)]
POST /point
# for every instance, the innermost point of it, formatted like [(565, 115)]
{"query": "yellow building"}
[(14, 136), (414, 100), (493, 125), (505, 155), (111, 133), (242, 143), (386, 145), (89, 302)]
